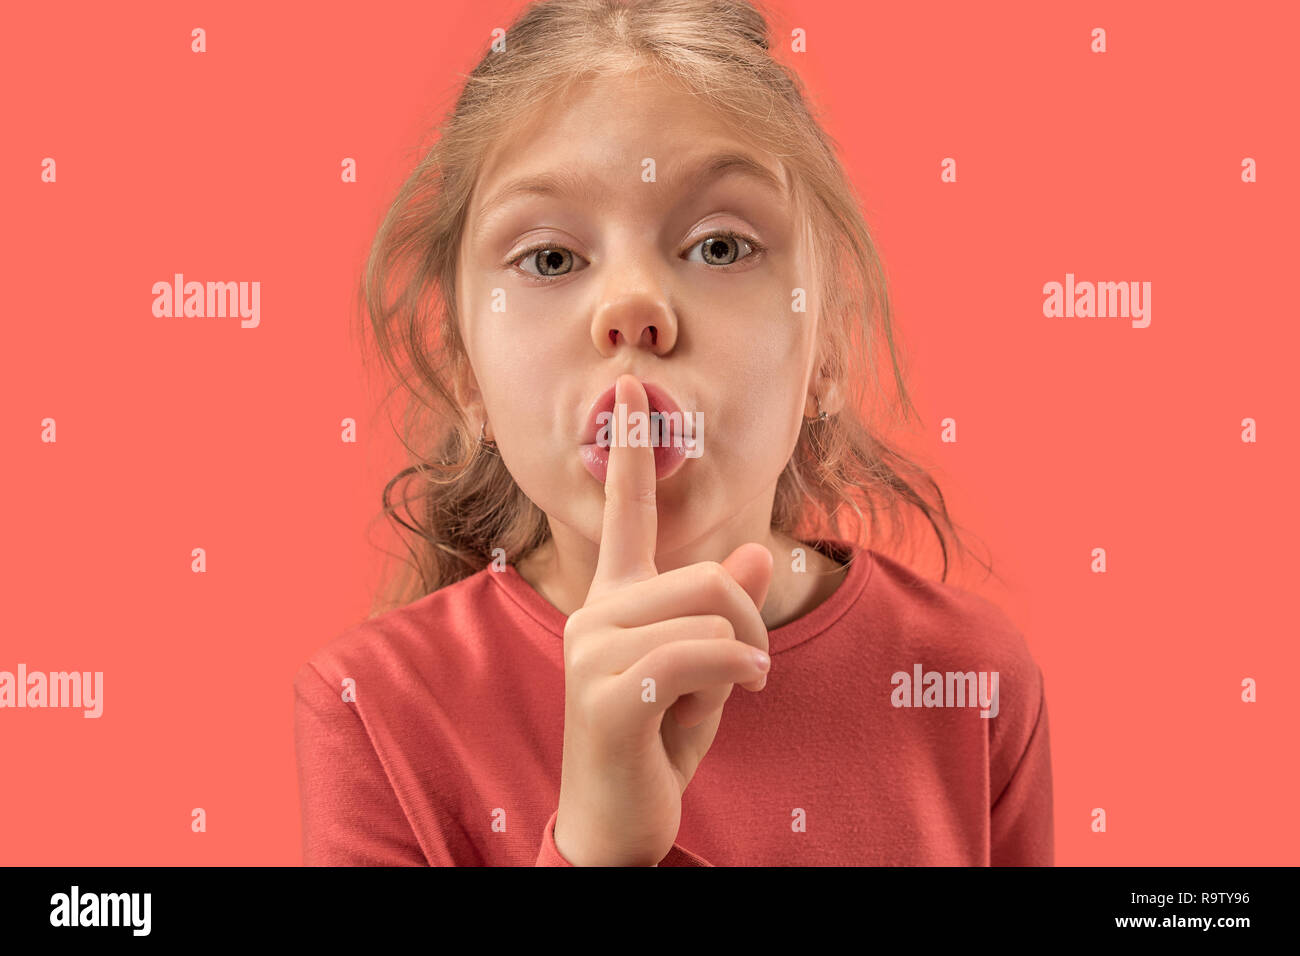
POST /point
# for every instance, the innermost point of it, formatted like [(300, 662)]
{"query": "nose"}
[(639, 318)]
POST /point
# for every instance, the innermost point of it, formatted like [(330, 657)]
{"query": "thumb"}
[(751, 565)]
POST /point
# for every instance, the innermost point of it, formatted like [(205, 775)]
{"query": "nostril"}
[(654, 335)]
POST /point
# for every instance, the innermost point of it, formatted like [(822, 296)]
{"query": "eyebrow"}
[(569, 183)]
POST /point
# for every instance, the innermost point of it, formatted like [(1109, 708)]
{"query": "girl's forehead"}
[(755, 186), (600, 138), (633, 115)]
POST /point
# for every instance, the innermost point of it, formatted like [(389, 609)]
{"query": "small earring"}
[(821, 412), (482, 430)]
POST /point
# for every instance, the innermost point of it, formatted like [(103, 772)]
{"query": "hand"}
[(695, 631)]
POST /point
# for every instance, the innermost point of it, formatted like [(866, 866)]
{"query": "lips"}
[(659, 398), (669, 457)]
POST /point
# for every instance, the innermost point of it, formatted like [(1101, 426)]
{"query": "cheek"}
[(762, 420), (758, 364), (514, 371), (521, 398)]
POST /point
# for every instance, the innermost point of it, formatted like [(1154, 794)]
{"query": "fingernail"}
[(762, 660)]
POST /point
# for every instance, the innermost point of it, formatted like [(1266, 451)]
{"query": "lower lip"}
[(668, 458)]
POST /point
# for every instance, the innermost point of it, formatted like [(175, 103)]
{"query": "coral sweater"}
[(449, 752)]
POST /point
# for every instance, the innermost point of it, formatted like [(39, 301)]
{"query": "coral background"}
[(1073, 433)]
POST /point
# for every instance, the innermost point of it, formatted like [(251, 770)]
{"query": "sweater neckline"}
[(860, 563)]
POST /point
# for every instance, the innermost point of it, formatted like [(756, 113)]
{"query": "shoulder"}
[(934, 629), (436, 628), (930, 627), (951, 623)]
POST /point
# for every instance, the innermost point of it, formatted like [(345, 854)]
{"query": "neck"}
[(562, 568)]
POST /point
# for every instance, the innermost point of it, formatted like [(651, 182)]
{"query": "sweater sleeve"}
[(350, 814), (551, 856), (1021, 825)]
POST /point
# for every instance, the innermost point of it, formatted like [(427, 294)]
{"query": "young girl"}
[(633, 211)]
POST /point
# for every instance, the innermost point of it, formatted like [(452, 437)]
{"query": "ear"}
[(832, 395), (464, 387), (826, 395)]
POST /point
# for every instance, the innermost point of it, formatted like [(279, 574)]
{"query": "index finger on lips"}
[(631, 521)]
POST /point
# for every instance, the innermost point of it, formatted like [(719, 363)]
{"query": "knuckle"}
[(643, 495), (660, 663), (575, 659), (576, 624), (718, 627), (629, 503), (715, 579), (577, 643)]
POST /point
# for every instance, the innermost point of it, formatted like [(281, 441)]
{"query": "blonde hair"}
[(460, 501)]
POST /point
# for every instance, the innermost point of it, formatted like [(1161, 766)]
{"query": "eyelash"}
[(755, 245)]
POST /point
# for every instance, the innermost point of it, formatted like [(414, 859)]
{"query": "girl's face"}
[(615, 182)]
